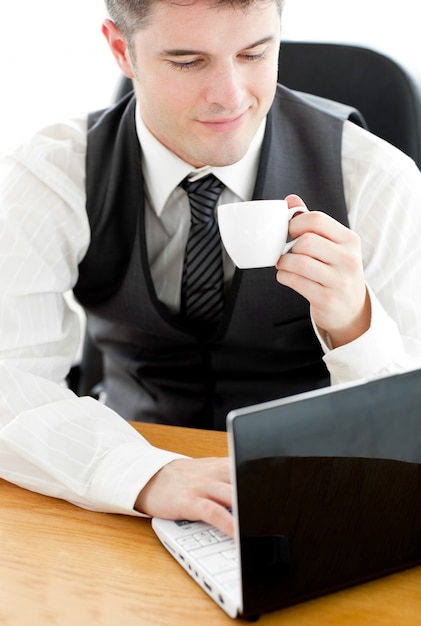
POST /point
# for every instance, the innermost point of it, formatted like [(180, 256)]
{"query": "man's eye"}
[(184, 65), (253, 57)]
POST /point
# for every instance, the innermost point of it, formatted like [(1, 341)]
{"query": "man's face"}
[(206, 77)]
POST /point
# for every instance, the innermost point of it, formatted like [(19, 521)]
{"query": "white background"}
[(55, 62)]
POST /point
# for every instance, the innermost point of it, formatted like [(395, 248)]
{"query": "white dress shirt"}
[(76, 448)]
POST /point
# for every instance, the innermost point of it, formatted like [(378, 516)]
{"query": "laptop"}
[(327, 494)]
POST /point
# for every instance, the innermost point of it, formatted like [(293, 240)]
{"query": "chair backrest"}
[(384, 90)]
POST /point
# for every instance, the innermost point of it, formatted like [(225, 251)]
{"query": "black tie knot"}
[(203, 196)]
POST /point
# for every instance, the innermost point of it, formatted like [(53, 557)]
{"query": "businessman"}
[(103, 206)]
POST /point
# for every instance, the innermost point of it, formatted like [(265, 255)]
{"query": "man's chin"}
[(223, 157), (215, 151)]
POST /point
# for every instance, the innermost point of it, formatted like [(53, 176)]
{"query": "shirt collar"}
[(239, 177)]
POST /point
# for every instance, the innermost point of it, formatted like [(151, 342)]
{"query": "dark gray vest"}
[(265, 347)]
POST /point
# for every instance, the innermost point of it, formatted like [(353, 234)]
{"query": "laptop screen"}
[(329, 489)]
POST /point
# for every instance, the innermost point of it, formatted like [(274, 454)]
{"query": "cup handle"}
[(291, 213)]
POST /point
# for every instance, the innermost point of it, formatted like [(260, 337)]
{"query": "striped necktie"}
[(202, 287)]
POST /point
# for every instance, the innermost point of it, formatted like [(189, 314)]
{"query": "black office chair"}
[(384, 90), (387, 93)]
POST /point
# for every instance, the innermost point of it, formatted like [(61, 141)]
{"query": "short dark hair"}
[(131, 16)]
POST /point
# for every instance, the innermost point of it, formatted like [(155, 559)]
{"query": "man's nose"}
[(225, 87)]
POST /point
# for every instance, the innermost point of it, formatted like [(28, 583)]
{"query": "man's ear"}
[(118, 47)]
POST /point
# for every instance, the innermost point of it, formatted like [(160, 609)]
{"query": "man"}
[(206, 101)]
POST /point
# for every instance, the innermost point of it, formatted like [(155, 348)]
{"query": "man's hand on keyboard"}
[(191, 489)]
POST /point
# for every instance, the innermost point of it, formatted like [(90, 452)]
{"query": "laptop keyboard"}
[(216, 552)]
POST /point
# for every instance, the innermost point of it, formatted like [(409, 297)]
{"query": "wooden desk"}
[(64, 566)]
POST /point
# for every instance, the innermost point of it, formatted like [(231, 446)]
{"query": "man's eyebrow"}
[(180, 52)]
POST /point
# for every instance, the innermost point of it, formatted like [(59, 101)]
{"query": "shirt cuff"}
[(377, 352), (123, 473)]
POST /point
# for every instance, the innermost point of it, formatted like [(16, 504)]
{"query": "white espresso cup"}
[(255, 233)]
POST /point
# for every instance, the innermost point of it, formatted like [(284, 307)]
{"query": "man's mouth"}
[(224, 124)]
